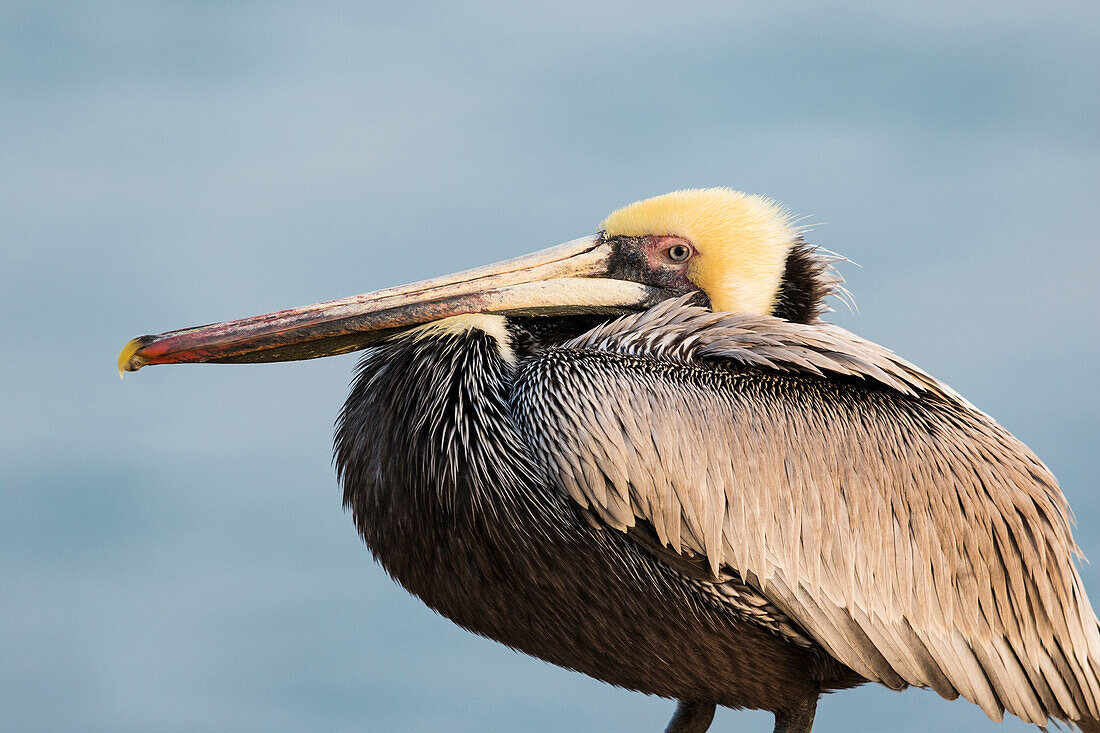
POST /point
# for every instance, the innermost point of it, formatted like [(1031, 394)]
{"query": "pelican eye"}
[(679, 252)]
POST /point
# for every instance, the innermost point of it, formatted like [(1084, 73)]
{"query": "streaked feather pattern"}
[(905, 531)]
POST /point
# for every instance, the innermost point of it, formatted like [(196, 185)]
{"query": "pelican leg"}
[(799, 720), (691, 717)]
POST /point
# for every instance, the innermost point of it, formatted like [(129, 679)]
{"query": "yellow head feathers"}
[(742, 241)]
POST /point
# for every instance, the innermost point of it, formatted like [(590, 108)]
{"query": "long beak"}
[(568, 279)]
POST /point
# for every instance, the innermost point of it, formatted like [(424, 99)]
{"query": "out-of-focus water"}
[(173, 553)]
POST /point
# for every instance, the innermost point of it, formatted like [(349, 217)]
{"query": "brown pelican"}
[(642, 455)]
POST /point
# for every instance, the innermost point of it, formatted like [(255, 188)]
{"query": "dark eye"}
[(679, 252)]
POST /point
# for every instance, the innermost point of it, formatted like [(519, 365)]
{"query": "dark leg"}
[(691, 717), (799, 720)]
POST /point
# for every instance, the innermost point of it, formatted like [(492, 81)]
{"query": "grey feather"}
[(882, 514)]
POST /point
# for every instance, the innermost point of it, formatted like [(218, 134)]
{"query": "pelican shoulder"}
[(911, 536)]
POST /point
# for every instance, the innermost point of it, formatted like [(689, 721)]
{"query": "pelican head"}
[(728, 244), (737, 250)]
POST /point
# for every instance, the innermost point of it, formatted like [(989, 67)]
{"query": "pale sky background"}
[(173, 553)]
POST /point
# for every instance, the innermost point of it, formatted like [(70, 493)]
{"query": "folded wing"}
[(911, 536)]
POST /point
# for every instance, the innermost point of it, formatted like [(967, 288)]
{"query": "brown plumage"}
[(715, 498), (909, 535)]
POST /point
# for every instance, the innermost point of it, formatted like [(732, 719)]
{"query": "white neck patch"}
[(493, 325)]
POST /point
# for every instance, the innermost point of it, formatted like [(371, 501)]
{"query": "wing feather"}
[(905, 531)]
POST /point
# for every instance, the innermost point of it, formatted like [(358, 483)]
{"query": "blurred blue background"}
[(173, 553)]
